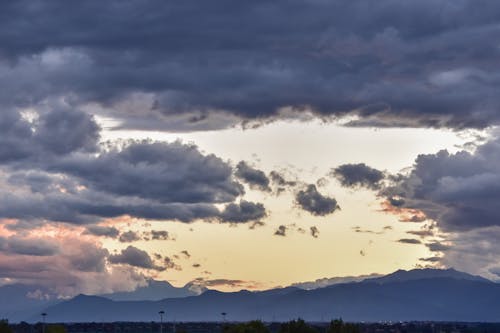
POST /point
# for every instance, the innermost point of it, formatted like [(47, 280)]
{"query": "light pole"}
[(161, 313), (223, 317), (43, 321)]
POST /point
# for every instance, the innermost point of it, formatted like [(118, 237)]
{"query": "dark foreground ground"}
[(193, 327)]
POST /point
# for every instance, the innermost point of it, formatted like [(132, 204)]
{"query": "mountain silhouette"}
[(437, 295)]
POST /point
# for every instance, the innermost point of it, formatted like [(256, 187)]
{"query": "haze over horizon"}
[(251, 145)]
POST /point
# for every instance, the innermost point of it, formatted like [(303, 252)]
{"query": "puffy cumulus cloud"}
[(252, 176), (460, 191), (135, 257), (316, 203), (167, 173), (242, 212), (149, 180), (385, 66), (34, 136), (358, 175)]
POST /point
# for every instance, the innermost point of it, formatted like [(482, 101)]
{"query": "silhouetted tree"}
[(338, 326), (55, 329), (254, 326), (297, 326), (4, 326)]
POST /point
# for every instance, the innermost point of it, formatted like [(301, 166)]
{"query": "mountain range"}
[(425, 294)]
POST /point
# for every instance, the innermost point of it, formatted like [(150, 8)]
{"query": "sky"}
[(246, 145)]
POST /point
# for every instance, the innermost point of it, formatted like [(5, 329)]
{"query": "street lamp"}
[(161, 313), (223, 316), (43, 321)]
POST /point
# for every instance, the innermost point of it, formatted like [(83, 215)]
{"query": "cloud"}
[(134, 257), (28, 246), (459, 191), (99, 230), (129, 236), (281, 231), (314, 231), (438, 247), (316, 203), (358, 175), (409, 241), (160, 235), (385, 67), (243, 212), (233, 283), (254, 177)]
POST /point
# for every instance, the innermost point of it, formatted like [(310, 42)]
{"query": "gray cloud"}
[(460, 191), (28, 246), (409, 241), (164, 172), (254, 177), (99, 230), (314, 231), (129, 236), (281, 231), (160, 235), (358, 175), (242, 212), (438, 247), (134, 257), (385, 66), (316, 203)]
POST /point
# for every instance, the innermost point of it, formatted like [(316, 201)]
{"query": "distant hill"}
[(20, 300), (154, 291), (427, 273), (438, 295)]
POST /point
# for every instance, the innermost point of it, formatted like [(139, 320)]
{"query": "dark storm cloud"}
[(424, 63), (253, 177), (51, 134), (242, 212), (358, 175), (57, 174), (316, 203), (134, 257), (460, 191), (164, 172)]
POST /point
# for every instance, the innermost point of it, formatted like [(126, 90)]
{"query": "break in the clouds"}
[(358, 175), (314, 202), (190, 62)]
